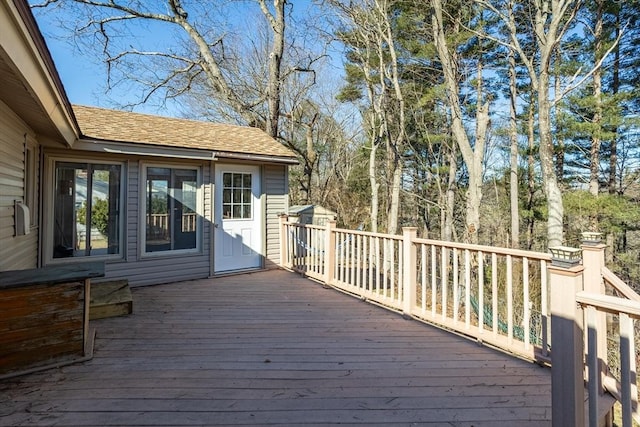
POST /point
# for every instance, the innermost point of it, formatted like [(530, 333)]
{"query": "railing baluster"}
[(444, 276), (371, 263), (337, 250), (626, 354), (358, 261), (400, 263), (456, 291), (317, 251), (527, 310), (510, 299), (343, 257), (385, 267), (467, 288), (377, 239), (544, 308), (392, 267), (352, 258), (308, 251), (423, 278), (434, 279), (494, 294), (592, 363), (480, 292)]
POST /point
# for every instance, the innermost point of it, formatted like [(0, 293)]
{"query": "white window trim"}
[(142, 211), (49, 209)]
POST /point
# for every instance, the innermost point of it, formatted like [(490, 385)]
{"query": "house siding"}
[(142, 270), (139, 269), (277, 200), (16, 252)]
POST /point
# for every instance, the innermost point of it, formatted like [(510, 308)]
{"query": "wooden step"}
[(110, 299)]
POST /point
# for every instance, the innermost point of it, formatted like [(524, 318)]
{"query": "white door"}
[(238, 218)]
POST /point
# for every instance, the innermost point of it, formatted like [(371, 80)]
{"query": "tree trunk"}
[(373, 181), (513, 160), (555, 233), (277, 23), (559, 150), (448, 233), (594, 175), (615, 87), (594, 169), (531, 184), (472, 156)]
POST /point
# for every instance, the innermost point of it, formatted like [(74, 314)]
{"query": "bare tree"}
[(373, 47), (198, 59), (472, 154), (550, 21), (513, 139)]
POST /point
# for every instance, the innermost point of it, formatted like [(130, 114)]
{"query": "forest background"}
[(501, 122)]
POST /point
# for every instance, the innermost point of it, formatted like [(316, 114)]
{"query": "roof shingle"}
[(122, 126)]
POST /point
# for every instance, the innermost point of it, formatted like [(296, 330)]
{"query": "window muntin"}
[(86, 209), (171, 209), (237, 197)]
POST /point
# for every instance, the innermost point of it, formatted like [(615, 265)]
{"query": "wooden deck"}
[(273, 348)]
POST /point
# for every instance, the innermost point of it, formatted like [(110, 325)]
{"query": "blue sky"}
[(84, 74)]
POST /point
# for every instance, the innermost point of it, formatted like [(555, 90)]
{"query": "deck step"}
[(110, 299)]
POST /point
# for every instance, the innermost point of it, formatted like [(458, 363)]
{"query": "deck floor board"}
[(273, 348)]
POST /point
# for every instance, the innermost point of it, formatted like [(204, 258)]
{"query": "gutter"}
[(142, 149)]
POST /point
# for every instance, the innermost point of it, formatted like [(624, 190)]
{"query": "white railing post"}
[(284, 241), (410, 269), (329, 252), (593, 261), (567, 378)]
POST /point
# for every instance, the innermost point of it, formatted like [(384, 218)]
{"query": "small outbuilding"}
[(312, 214)]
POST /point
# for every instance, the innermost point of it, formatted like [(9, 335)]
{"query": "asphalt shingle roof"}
[(123, 126)]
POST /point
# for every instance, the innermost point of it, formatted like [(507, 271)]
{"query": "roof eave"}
[(38, 68), (257, 157), (145, 149)]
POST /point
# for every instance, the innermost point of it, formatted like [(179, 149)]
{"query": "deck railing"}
[(503, 297)]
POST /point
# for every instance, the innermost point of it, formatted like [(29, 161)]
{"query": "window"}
[(237, 199), (171, 209), (87, 210)]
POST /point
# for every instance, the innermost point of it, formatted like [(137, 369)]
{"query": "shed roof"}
[(123, 126), (312, 209)]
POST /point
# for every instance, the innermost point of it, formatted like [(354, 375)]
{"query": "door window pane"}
[(237, 197), (87, 219), (171, 201)]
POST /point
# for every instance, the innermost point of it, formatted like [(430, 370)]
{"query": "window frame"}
[(142, 211), (242, 203), (49, 202)]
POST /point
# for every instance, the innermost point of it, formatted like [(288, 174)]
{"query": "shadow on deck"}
[(273, 348)]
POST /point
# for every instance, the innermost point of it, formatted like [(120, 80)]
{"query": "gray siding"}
[(16, 252), (141, 270), (138, 269), (277, 200), (150, 270)]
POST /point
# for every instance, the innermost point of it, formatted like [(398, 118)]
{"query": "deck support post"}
[(330, 251), (593, 261), (284, 242), (567, 377), (410, 267)]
